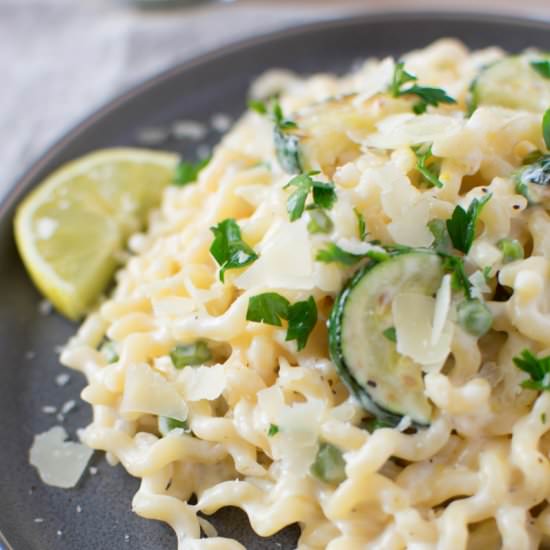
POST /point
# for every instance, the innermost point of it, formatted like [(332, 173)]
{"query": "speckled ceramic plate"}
[(96, 515)]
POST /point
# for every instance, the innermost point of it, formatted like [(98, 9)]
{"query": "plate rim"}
[(21, 182)]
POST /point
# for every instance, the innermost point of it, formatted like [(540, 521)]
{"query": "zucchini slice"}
[(533, 181), (386, 383), (514, 83)]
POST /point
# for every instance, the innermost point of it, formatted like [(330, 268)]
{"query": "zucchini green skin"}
[(533, 181), (363, 393), (513, 83)]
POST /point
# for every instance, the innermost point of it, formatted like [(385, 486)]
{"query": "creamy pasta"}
[(248, 416)]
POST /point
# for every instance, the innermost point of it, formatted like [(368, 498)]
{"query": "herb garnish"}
[(427, 95), (546, 128), (332, 253), (361, 225), (286, 144), (442, 241), (462, 225), (319, 221), (542, 67), (272, 430), (391, 334), (429, 170), (538, 369), (228, 248), (459, 279), (188, 172), (270, 308), (324, 194)]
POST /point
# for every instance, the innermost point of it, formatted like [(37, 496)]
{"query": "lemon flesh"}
[(70, 229)]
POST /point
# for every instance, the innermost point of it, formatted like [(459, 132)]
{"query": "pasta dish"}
[(342, 320)]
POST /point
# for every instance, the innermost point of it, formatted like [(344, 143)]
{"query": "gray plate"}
[(216, 82)]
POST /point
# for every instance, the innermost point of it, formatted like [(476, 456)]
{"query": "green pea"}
[(184, 355), (329, 465), (474, 317), (511, 250)]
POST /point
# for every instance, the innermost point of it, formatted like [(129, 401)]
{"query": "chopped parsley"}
[(228, 248), (542, 67), (188, 172), (268, 308), (538, 369), (271, 308), (302, 318), (462, 225), (361, 225), (543, 418), (459, 279), (427, 95), (319, 222), (185, 355), (332, 253), (323, 193), (442, 241), (391, 334), (257, 105), (167, 424), (546, 128), (287, 146), (428, 168), (272, 430)]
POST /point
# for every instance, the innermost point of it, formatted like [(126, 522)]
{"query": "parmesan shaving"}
[(60, 463), (413, 315), (146, 391)]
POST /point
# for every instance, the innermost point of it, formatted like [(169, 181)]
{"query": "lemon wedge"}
[(71, 227)]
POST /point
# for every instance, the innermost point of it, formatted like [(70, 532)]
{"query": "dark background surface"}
[(217, 82)]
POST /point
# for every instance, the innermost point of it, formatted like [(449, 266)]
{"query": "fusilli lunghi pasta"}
[(252, 417)]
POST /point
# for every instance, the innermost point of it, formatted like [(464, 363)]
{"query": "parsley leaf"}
[(268, 308), (427, 95), (391, 334), (319, 222), (462, 225), (333, 253), (542, 67), (188, 172), (228, 248), (361, 225), (257, 105), (287, 145), (442, 241), (546, 128), (272, 430), (537, 368), (459, 279), (302, 318), (430, 172), (324, 194), (400, 77)]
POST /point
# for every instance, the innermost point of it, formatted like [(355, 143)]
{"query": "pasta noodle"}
[(478, 476)]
